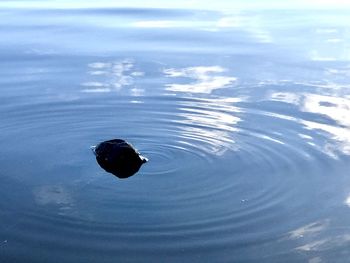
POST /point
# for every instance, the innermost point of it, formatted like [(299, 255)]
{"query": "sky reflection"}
[(204, 79), (54, 195), (210, 122), (193, 4), (334, 108), (112, 76), (320, 236), (246, 110)]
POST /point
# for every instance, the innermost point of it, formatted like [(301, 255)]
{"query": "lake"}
[(242, 113)]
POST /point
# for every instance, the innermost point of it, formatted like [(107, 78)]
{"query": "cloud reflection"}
[(309, 229), (320, 236), (205, 79), (340, 72), (347, 201), (253, 25), (165, 24), (336, 109), (249, 23), (211, 122), (316, 55), (330, 43), (112, 76), (54, 195)]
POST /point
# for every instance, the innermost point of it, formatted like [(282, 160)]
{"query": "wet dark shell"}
[(119, 158)]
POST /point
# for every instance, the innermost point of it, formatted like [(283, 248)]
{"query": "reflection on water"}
[(54, 195), (337, 110), (333, 109), (209, 123), (206, 79), (243, 114), (112, 76), (320, 236)]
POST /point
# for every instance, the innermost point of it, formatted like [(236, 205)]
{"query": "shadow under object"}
[(118, 157)]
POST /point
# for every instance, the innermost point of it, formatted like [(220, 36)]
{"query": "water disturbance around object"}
[(243, 114)]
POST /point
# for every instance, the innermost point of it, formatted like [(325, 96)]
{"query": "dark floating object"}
[(118, 157)]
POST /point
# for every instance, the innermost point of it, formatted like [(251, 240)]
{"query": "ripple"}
[(217, 167)]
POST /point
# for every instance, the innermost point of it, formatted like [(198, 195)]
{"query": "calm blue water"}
[(244, 115)]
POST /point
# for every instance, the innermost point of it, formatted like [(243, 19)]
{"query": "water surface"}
[(244, 115)]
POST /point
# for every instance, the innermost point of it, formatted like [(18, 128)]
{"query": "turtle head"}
[(143, 159), (93, 149)]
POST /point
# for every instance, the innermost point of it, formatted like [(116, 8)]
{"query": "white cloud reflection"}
[(210, 121), (340, 72), (253, 25), (205, 79), (330, 44), (319, 236), (112, 76), (54, 195), (167, 24), (334, 40), (336, 109), (97, 90), (347, 201), (317, 55), (309, 229)]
